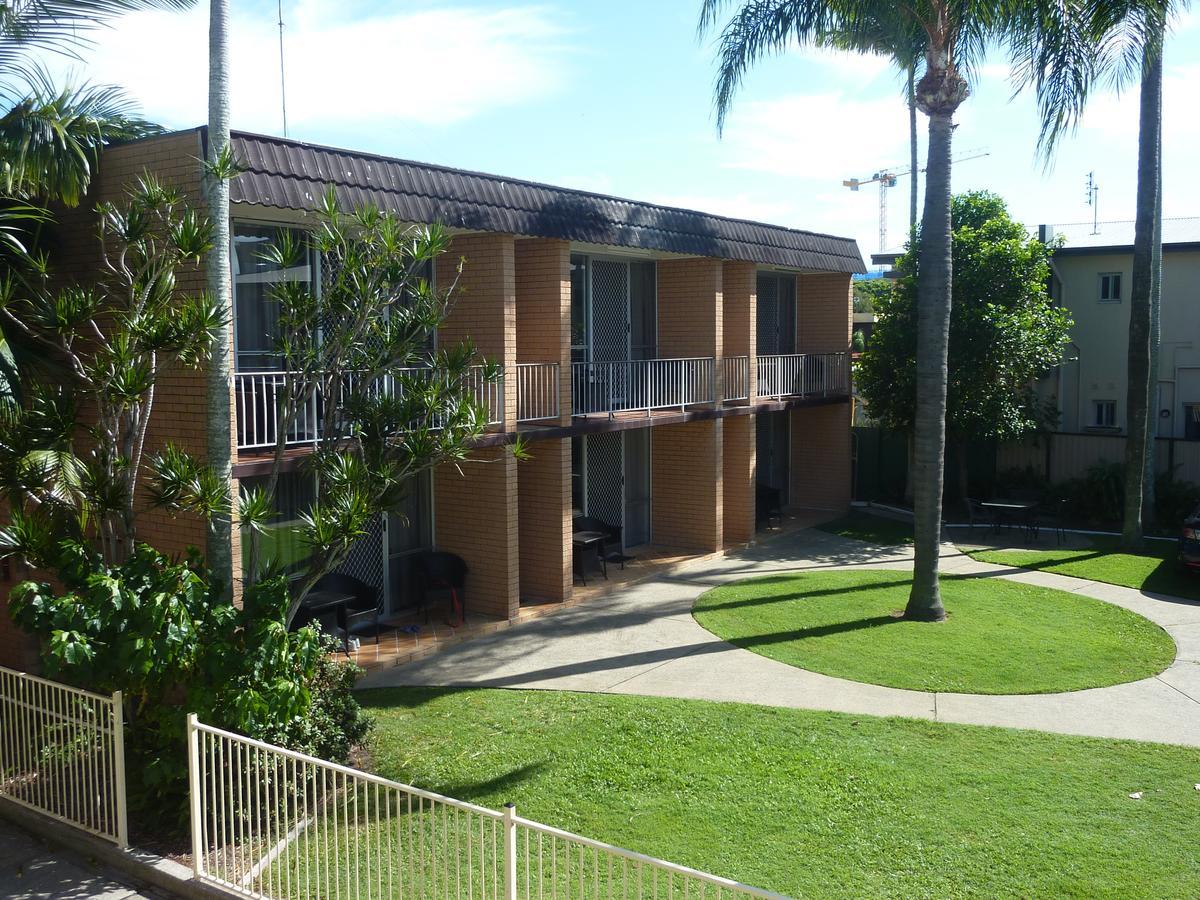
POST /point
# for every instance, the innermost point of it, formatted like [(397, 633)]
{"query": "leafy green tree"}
[(1005, 332), (869, 292), (357, 348)]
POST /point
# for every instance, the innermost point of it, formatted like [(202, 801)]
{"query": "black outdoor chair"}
[(768, 502), (611, 551), (1052, 514), (439, 571), (367, 605), (978, 514)]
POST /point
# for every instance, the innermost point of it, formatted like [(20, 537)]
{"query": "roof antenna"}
[(282, 76), (1093, 200)]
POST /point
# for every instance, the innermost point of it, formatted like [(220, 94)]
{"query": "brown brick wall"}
[(686, 474), (544, 521), (824, 313), (180, 405), (689, 307), (739, 314), (543, 285), (485, 306), (738, 453), (475, 516), (820, 464)]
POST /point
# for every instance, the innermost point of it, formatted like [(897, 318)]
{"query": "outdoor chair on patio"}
[(978, 514), (611, 550), (1052, 514), (436, 571), (366, 607)]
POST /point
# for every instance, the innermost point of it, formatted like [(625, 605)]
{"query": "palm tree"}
[(219, 439), (906, 50), (1115, 41), (955, 37)]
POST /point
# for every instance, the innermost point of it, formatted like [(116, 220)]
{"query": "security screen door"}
[(637, 487), (776, 325), (772, 451)]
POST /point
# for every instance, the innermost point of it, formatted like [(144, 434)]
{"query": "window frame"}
[(1110, 406), (1103, 279)]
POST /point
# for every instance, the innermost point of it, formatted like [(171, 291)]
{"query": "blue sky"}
[(615, 96)]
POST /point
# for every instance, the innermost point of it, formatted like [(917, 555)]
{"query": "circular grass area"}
[(1001, 637)]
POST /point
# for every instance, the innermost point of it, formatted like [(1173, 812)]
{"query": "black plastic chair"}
[(768, 502), (367, 603), (1052, 514), (978, 514), (611, 551), (437, 570)]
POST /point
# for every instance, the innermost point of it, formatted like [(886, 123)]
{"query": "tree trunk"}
[(933, 338), (1149, 496), (914, 163), (219, 437), (1139, 374)]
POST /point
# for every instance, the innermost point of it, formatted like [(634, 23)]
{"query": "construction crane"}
[(886, 178)]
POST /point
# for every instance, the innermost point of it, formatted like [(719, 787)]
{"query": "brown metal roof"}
[(292, 175)]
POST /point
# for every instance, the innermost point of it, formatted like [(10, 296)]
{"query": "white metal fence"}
[(802, 375), (538, 390), (62, 753), (258, 395), (736, 374), (272, 823), (641, 385)]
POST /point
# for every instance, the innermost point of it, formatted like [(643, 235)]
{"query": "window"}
[(1191, 421), (256, 313), (1104, 413), (1110, 287), (280, 542)]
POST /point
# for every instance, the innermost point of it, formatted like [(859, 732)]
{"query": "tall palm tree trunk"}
[(220, 381), (933, 339), (1139, 374), (1149, 496), (913, 162)]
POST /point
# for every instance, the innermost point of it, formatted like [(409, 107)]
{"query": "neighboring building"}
[(663, 363), (1093, 275)]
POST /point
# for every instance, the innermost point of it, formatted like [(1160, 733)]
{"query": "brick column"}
[(686, 474), (824, 313), (544, 521), (739, 449), (689, 310), (475, 516), (739, 289), (543, 280), (484, 308)]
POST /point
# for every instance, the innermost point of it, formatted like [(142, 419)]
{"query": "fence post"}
[(119, 769), (510, 851), (193, 738)]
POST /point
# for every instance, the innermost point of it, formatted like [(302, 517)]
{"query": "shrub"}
[(160, 632)]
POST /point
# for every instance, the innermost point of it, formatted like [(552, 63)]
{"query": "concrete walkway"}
[(643, 640), (31, 869)]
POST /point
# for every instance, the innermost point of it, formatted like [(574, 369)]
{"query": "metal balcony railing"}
[(802, 375), (736, 372), (257, 396), (538, 391), (642, 385)]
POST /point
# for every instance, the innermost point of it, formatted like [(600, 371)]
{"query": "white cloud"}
[(435, 66), (827, 135)]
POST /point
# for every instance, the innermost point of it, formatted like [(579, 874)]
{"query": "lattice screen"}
[(604, 477), (365, 561), (610, 307)]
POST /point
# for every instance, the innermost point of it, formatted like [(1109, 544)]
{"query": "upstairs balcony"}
[(788, 375), (642, 385)]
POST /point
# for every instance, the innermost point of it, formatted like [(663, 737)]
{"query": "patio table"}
[(587, 546), (1006, 511)]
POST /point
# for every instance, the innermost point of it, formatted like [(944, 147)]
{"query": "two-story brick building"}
[(665, 365)]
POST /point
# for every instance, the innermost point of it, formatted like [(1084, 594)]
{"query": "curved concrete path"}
[(643, 640)]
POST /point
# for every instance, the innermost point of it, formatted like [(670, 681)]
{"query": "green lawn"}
[(1002, 637), (873, 529), (1157, 569), (813, 804)]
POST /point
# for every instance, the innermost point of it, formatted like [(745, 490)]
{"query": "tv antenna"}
[(1093, 200), (886, 178), (282, 74)]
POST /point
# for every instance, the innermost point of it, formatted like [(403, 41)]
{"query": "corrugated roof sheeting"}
[(292, 175)]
